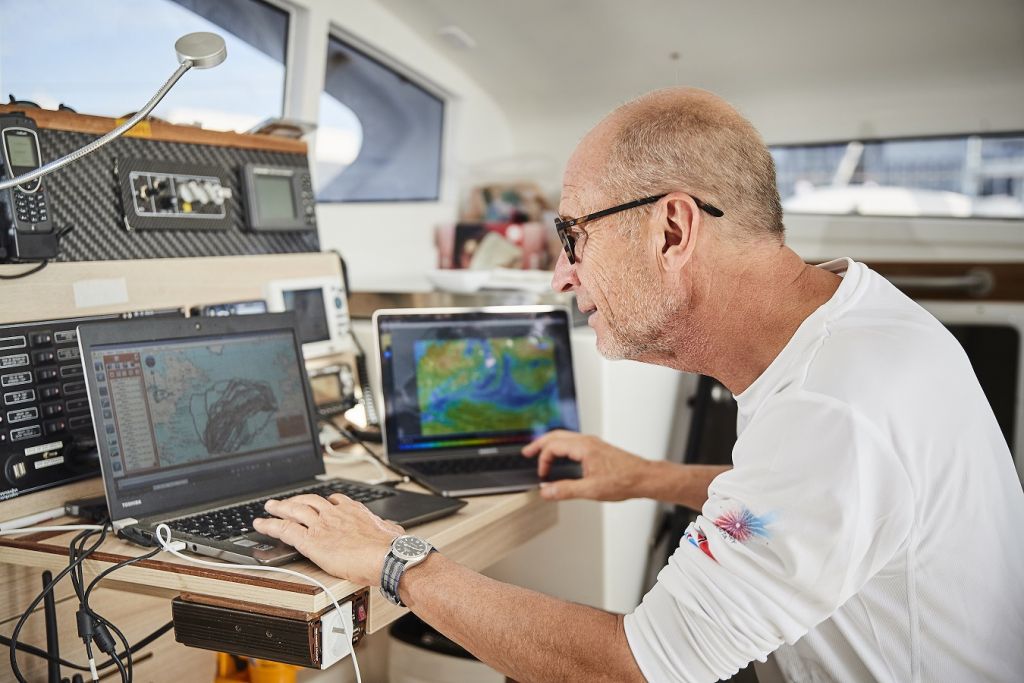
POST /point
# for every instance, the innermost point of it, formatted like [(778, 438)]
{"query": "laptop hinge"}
[(324, 477)]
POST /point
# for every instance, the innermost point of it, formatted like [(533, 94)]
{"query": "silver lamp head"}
[(203, 50)]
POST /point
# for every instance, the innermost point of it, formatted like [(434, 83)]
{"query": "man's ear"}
[(678, 230)]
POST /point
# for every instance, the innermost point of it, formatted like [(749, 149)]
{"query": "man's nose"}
[(564, 279)]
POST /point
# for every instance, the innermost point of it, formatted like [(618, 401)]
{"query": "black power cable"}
[(93, 628), (38, 266), (126, 674), (46, 589), (43, 654)]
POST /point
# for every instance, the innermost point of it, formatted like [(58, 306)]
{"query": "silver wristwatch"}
[(406, 551)]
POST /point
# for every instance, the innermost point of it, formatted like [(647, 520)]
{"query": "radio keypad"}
[(30, 208)]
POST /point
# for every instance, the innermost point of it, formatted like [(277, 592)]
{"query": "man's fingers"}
[(554, 449), (534, 447), (293, 510), (290, 532), (565, 489), (342, 499), (316, 502)]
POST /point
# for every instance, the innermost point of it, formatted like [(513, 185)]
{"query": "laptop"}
[(200, 420), (464, 389)]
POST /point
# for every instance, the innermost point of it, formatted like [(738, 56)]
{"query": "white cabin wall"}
[(390, 246)]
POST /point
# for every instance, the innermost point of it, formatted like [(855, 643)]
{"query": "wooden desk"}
[(481, 533)]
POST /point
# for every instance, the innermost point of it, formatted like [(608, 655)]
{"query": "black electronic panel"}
[(86, 197), (46, 432), (172, 195)]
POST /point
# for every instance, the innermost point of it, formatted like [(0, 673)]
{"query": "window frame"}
[(289, 52)]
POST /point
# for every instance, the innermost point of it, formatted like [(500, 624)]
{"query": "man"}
[(870, 526)]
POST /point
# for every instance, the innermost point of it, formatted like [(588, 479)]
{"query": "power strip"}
[(335, 639)]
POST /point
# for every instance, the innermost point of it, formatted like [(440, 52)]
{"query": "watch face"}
[(409, 547)]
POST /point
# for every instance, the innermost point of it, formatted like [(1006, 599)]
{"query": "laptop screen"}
[(474, 379), (187, 420)]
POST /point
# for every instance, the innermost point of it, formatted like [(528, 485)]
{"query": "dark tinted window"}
[(379, 135)]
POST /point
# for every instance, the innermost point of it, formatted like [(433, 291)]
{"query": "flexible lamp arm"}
[(201, 50)]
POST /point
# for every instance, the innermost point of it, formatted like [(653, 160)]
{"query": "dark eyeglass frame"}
[(567, 234)]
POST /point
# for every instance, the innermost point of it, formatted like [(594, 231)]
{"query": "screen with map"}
[(172, 410), (475, 379)]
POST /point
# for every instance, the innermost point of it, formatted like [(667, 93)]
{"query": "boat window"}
[(965, 176), (108, 57), (379, 134)]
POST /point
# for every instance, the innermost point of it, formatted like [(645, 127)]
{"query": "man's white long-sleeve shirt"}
[(871, 525)]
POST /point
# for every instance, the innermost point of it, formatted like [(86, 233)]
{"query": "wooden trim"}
[(157, 130), (252, 607), (97, 557)]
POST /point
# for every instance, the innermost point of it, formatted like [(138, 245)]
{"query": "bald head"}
[(689, 140)]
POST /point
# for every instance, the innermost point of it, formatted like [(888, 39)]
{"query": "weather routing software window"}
[(171, 407)]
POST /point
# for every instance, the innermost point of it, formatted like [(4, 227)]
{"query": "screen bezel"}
[(301, 198), (147, 330), (339, 324), (514, 314)]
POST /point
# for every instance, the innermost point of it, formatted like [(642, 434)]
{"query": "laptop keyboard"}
[(487, 463), (225, 523)]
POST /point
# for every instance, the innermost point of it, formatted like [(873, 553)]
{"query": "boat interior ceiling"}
[(803, 71)]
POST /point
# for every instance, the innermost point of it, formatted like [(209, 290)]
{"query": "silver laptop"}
[(199, 421), (464, 389)]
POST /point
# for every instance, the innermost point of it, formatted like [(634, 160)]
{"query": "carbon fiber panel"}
[(86, 196)]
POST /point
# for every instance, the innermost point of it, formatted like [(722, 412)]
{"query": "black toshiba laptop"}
[(465, 389), (199, 421)]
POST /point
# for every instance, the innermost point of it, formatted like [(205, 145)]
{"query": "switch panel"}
[(170, 195)]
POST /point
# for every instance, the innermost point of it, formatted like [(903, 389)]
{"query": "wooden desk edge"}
[(469, 539)]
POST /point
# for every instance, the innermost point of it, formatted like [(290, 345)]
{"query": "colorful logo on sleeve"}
[(742, 525), (697, 539)]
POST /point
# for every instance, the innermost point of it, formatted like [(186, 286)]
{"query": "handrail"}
[(976, 282)]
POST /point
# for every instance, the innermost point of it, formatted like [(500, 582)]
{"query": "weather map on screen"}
[(487, 385)]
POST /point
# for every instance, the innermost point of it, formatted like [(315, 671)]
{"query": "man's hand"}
[(609, 473), (340, 535)]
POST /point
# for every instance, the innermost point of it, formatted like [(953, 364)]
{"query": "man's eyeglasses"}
[(572, 237)]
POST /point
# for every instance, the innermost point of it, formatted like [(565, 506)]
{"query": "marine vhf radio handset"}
[(25, 222)]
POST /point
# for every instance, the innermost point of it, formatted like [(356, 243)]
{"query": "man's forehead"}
[(572, 199), (583, 172)]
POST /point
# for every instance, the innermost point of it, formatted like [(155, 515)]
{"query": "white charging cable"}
[(329, 434), (163, 536)]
